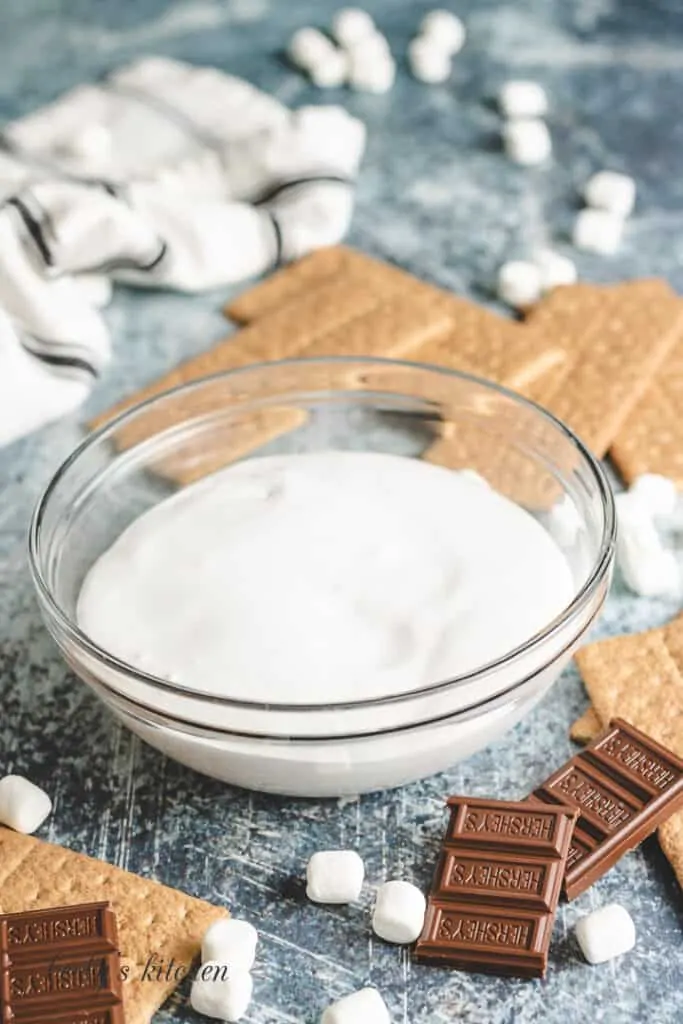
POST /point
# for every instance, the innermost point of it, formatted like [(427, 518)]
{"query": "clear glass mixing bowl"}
[(164, 444)]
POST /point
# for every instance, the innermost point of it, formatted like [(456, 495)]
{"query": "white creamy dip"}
[(324, 577)]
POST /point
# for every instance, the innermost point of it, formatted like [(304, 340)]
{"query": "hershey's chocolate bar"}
[(496, 889), (623, 786)]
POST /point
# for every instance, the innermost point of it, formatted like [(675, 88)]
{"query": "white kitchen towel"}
[(163, 175)]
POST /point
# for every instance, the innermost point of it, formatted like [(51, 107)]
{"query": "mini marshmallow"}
[(399, 912), (606, 933), (363, 1007), (647, 567), (309, 47), (445, 29), (334, 876), (222, 992), (352, 24), (656, 493), (370, 48), (232, 942), (523, 99), (597, 231), (331, 72), (519, 284), (611, 191), (427, 62), (555, 269), (527, 141), (371, 74), (23, 806)]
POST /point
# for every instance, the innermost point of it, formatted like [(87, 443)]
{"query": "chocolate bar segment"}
[(496, 888), (624, 785), (90, 926), (61, 965)]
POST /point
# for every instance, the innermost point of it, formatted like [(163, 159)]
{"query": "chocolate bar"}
[(497, 885), (61, 965), (624, 785)]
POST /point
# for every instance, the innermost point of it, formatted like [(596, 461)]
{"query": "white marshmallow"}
[(221, 992), (597, 231), (519, 284), (656, 493), (371, 74), (555, 269), (331, 72), (23, 806), (445, 29), (334, 876), (372, 47), (308, 47), (609, 190), (399, 912), (232, 942), (352, 24), (606, 933), (523, 99), (647, 567), (428, 63), (527, 141), (363, 1007)]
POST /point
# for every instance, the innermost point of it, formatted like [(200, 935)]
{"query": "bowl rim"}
[(600, 568)]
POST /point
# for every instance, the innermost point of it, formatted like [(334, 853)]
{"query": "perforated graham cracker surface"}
[(607, 360), (152, 919), (640, 678), (615, 339)]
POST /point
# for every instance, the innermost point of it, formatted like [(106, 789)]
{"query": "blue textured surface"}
[(437, 196)]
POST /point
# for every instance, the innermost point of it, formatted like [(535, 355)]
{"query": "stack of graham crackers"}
[(607, 360)]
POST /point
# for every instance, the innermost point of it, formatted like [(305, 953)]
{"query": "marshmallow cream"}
[(324, 577)]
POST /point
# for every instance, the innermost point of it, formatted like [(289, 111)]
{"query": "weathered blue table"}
[(437, 196)]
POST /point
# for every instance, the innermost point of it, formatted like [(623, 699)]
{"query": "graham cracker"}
[(283, 334), (640, 678), (615, 339), (651, 439), (152, 918), (287, 283), (587, 728)]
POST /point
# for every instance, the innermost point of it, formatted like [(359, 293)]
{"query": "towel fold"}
[(164, 175)]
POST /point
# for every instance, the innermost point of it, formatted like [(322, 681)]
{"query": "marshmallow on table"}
[(427, 62), (363, 1007), (606, 933), (399, 912), (609, 190), (23, 806), (657, 494), (527, 141), (334, 876), (221, 991), (352, 24), (647, 567), (523, 99), (370, 72), (597, 231), (445, 29), (555, 269), (309, 47), (519, 284), (331, 72), (232, 942)]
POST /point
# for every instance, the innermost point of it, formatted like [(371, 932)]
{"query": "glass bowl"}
[(164, 444)]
